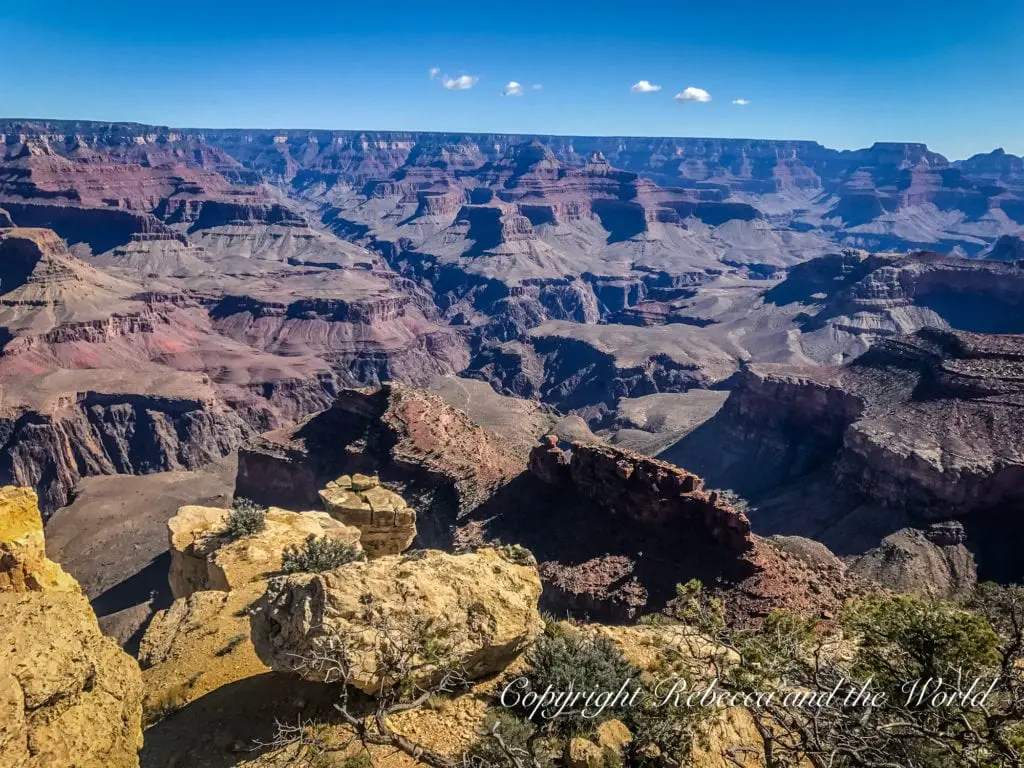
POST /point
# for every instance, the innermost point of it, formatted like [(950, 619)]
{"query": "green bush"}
[(576, 662), (319, 554), (734, 500), (246, 518)]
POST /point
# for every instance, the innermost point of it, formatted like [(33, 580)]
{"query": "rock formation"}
[(439, 461), (201, 642), (923, 422), (921, 429), (650, 526), (487, 605), (650, 493), (386, 523), (205, 557), (24, 566), (69, 697)]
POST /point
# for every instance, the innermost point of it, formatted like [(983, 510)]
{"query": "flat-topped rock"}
[(205, 557)]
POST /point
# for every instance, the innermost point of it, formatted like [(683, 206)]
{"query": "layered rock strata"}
[(442, 464), (652, 526), (650, 493), (386, 523)]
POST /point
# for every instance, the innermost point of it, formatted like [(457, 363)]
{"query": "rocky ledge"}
[(649, 492), (204, 556)]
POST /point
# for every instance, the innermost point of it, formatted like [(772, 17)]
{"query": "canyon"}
[(512, 379), (827, 335)]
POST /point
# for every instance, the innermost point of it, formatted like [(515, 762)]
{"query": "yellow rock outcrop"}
[(69, 697), (24, 566), (486, 602), (204, 557), (387, 523)]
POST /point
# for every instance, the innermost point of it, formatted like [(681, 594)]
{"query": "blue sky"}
[(946, 72)]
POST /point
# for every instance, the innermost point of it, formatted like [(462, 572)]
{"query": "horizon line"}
[(272, 129)]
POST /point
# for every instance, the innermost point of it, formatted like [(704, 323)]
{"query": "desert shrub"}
[(517, 555), (246, 518), (164, 703), (734, 500), (905, 638), (509, 741), (890, 642), (318, 554), (573, 661)]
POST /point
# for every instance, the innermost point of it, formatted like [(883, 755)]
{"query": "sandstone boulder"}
[(386, 522), (204, 557), (24, 566), (485, 602), (69, 696)]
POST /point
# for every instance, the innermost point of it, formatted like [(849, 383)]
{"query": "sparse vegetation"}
[(887, 639), (246, 518), (734, 500), (890, 641), (517, 555), (510, 741), (403, 650), (319, 554), (165, 703)]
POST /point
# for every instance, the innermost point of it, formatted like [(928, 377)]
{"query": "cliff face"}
[(69, 696), (24, 566), (105, 375), (111, 434), (920, 430), (954, 452), (649, 493), (205, 557)]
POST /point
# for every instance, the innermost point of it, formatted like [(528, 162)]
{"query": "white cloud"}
[(460, 83), (740, 102), (513, 89), (537, 87), (643, 86), (693, 94), (434, 72)]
